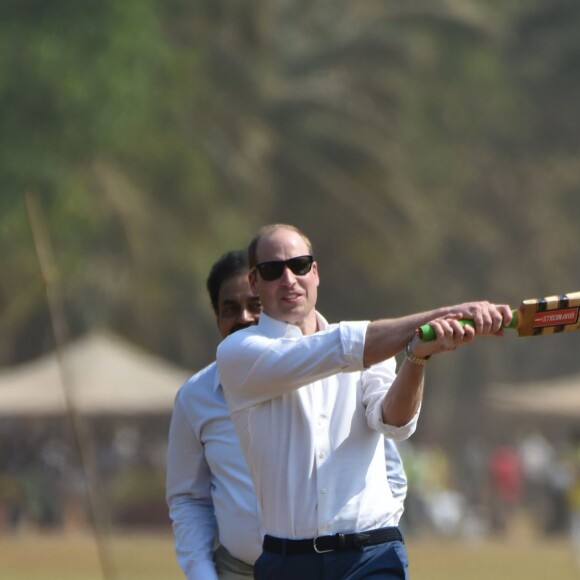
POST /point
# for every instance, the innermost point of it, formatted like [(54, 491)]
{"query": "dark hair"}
[(264, 231), (229, 265)]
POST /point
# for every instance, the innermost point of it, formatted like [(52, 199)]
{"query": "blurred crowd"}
[(527, 484), (43, 482)]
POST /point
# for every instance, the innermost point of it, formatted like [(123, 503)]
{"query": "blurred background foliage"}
[(429, 148)]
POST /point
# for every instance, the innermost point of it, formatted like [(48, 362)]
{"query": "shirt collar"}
[(277, 329)]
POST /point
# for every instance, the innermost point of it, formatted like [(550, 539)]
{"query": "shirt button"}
[(323, 490), (321, 455)]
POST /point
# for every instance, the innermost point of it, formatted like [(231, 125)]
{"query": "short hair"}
[(264, 231), (229, 265)]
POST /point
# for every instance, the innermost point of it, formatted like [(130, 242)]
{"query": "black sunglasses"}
[(300, 266)]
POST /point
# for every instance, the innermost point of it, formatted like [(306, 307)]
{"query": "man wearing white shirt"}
[(208, 481), (310, 401), (209, 490)]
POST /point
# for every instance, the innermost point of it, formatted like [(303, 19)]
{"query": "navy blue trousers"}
[(381, 562)]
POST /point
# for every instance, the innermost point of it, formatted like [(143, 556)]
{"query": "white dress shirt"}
[(208, 481), (308, 415)]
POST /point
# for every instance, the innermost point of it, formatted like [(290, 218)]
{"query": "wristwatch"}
[(417, 360)]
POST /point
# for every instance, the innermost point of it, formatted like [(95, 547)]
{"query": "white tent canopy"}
[(551, 398), (104, 374)]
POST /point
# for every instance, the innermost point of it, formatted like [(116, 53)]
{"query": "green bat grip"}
[(427, 333)]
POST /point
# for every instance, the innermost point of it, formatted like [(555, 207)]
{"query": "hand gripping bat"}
[(535, 316)]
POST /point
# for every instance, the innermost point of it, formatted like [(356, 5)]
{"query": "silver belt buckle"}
[(317, 550)]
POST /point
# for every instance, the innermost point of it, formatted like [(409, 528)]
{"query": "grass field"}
[(151, 557)]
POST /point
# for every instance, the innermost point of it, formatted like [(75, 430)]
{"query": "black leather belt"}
[(323, 544)]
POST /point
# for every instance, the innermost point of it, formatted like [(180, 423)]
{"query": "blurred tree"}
[(416, 143), (309, 104), (75, 81)]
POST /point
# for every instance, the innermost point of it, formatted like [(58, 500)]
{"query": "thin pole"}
[(49, 271)]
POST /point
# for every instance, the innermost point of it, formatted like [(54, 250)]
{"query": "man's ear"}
[(252, 280)]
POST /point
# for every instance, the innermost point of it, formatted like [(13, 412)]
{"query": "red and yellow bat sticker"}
[(556, 317)]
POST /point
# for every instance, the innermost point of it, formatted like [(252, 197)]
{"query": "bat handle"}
[(427, 333)]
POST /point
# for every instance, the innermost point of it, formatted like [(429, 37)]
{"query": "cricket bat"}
[(535, 316)]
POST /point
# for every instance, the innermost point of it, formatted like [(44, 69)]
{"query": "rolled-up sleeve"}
[(376, 381), (352, 339)]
